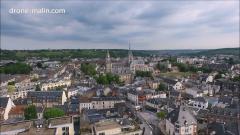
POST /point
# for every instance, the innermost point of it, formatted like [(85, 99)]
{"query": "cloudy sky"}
[(146, 24)]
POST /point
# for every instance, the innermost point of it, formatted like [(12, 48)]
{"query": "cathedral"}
[(121, 68), (125, 68)]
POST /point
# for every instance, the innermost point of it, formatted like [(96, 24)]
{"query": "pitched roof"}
[(45, 93), (181, 115), (3, 102)]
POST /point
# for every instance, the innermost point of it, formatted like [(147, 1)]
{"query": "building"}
[(6, 104), (181, 122), (56, 83), (140, 96), (46, 98), (84, 103), (194, 91), (62, 125), (111, 127), (105, 102), (199, 103), (54, 126)]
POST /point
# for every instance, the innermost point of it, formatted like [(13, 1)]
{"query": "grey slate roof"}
[(199, 99), (43, 94), (3, 102)]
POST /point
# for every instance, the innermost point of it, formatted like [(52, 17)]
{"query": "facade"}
[(199, 103), (99, 103), (178, 86), (105, 102), (54, 84), (181, 122)]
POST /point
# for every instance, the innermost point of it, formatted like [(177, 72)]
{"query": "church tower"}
[(108, 63), (130, 55)]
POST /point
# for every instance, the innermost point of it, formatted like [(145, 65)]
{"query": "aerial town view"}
[(120, 67)]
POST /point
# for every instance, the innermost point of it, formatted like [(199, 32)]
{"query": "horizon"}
[(147, 25), (117, 49)]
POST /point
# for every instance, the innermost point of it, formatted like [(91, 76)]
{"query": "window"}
[(65, 130)]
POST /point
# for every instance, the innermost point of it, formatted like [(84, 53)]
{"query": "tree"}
[(107, 79), (144, 73), (182, 67), (236, 78), (162, 87), (38, 88), (16, 68), (30, 112), (53, 112), (88, 69), (161, 114), (11, 88), (162, 67), (39, 65)]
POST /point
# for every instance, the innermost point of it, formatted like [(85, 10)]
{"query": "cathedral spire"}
[(130, 55)]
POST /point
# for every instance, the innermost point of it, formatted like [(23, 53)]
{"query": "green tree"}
[(39, 65), (11, 88), (108, 79), (162, 87), (38, 88), (53, 112), (30, 112), (16, 68), (236, 78), (88, 69), (161, 114), (143, 74), (182, 67), (162, 67)]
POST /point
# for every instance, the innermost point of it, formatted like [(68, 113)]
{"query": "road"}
[(149, 121)]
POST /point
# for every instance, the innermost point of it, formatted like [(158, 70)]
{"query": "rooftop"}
[(60, 120), (105, 125)]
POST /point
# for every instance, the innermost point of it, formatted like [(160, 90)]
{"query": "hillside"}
[(223, 51)]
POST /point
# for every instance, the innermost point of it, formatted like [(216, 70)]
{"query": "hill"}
[(212, 52)]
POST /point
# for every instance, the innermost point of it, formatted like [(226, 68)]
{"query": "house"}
[(17, 112), (6, 104), (105, 102), (54, 126), (194, 91), (199, 103), (153, 84), (55, 83), (180, 122), (112, 127), (62, 125), (155, 104), (178, 86), (139, 96), (224, 101), (46, 98), (85, 103)]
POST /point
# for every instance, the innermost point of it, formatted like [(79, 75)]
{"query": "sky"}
[(147, 25)]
